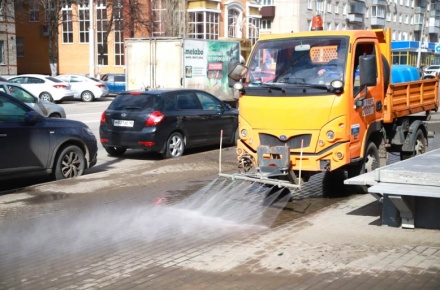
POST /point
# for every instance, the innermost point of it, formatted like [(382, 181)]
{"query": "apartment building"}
[(414, 23)]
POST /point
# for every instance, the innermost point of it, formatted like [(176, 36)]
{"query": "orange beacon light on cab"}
[(316, 23)]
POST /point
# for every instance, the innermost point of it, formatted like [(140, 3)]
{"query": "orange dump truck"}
[(325, 101)]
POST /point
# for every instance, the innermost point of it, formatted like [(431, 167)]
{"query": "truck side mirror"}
[(236, 72), (367, 70)]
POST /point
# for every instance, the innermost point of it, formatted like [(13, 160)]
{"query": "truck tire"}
[(369, 163), (419, 146), (333, 183), (371, 158)]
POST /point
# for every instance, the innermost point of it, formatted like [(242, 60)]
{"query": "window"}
[(378, 11), (253, 32), (266, 2), (233, 23), (319, 6), (337, 8), (209, 103), (119, 35), (187, 101), (159, 14), (67, 24), (361, 49), (309, 4), (34, 12), (84, 21), (204, 25), (101, 31), (2, 52), (11, 111), (265, 24), (20, 46)]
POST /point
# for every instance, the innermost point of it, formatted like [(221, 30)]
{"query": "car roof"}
[(159, 91)]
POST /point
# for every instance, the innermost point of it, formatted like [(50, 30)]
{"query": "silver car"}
[(85, 88), (45, 108)]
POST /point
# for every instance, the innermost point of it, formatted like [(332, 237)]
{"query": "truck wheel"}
[(371, 158), (115, 151), (174, 146), (70, 163), (419, 146), (369, 163), (333, 183)]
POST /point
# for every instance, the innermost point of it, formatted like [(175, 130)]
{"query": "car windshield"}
[(133, 102), (297, 61)]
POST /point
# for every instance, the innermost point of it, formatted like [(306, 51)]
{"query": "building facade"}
[(415, 26), (8, 47)]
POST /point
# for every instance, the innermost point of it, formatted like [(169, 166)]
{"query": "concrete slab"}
[(422, 169)]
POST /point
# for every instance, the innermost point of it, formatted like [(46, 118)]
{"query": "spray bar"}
[(279, 183), (274, 182)]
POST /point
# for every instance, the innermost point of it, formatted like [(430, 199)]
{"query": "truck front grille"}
[(294, 142)]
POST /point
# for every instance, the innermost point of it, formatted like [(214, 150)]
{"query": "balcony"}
[(267, 12), (378, 21), (355, 18), (357, 12)]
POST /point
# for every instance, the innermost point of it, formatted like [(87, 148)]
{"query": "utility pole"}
[(91, 41)]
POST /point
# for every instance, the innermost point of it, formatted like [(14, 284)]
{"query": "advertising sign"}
[(206, 65)]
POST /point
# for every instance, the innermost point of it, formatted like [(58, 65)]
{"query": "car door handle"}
[(3, 135)]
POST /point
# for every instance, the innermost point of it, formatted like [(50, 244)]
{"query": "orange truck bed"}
[(408, 98)]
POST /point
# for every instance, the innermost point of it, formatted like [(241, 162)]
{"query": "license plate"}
[(123, 123)]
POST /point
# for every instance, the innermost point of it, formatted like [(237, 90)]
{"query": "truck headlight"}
[(330, 135), (244, 133)]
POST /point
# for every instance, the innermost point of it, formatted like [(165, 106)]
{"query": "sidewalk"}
[(340, 247)]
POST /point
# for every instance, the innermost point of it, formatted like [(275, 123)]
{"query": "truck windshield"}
[(297, 61)]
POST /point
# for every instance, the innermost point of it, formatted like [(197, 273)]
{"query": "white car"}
[(45, 108), (430, 71), (47, 88), (85, 88)]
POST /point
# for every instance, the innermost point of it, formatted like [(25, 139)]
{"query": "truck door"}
[(362, 117)]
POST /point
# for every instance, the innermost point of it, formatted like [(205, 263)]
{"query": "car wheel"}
[(174, 146), (70, 163), (45, 96), (115, 151), (87, 96), (54, 115)]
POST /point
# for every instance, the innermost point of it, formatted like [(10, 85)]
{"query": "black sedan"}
[(166, 121), (32, 144)]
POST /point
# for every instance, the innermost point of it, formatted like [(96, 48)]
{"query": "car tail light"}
[(100, 85), (60, 86), (155, 118), (103, 140), (103, 118), (146, 143)]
